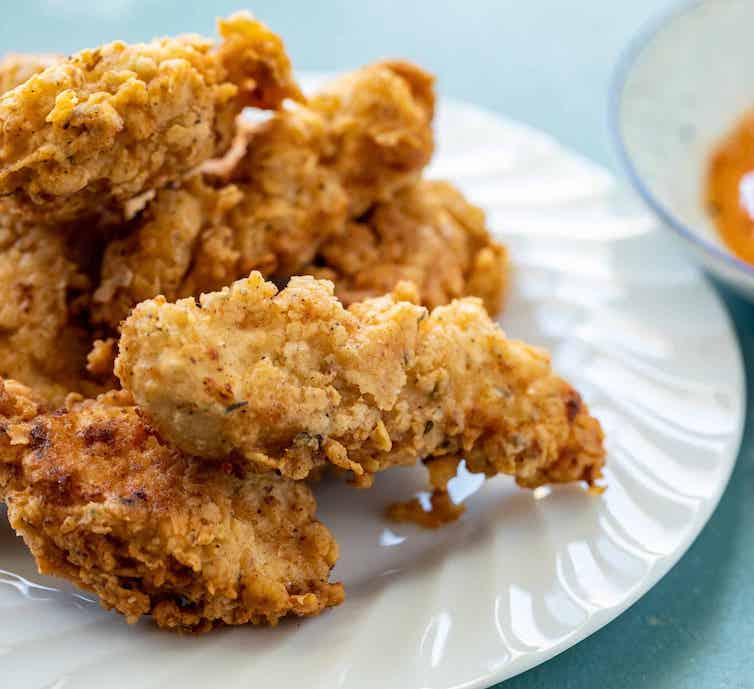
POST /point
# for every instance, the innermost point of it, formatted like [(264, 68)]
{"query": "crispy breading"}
[(288, 202), (100, 361), (154, 257), (428, 234), (101, 501), (108, 124), (42, 341), (292, 380), (368, 134), (379, 124), (16, 68)]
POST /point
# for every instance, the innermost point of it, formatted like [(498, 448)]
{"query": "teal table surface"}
[(548, 63)]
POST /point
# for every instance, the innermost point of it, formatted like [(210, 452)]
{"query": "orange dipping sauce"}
[(730, 189)]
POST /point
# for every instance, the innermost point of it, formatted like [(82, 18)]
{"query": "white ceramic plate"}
[(523, 575)]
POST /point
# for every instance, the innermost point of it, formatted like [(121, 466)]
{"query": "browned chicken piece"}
[(293, 381), (158, 249), (108, 124), (429, 234), (287, 202), (43, 342), (101, 501), (379, 124), (289, 192), (16, 68)]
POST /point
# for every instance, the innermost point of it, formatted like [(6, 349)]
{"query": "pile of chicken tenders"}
[(203, 312)]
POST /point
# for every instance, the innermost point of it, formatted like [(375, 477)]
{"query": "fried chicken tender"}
[(42, 342), (379, 122), (108, 124), (292, 381), (305, 172), (429, 234), (101, 501), (288, 201), (16, 68), (156, 254)]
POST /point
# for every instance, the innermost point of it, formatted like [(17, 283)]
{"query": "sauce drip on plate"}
[(730, 188)]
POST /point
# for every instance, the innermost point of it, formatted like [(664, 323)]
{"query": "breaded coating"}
[(292, 381), (16, 68), (303, 169), (101, 501), (441, 469), (155, 255), (100, 361), (288, 201), (43, 342), (108, 124), (429, 234), (379, 122)]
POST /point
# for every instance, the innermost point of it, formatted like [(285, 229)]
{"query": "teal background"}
[(548, 63)]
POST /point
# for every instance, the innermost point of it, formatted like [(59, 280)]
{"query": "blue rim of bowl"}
[(623, 68)]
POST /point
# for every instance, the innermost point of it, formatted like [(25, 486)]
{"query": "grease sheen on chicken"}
[(293, 380)]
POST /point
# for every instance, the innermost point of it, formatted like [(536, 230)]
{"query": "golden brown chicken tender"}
[(288, 201), (157, 251), (100, 500), (43, 342), (302, 171), (108, 124), (16, 68), (428, 234), (379, 121), (293, 381)]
